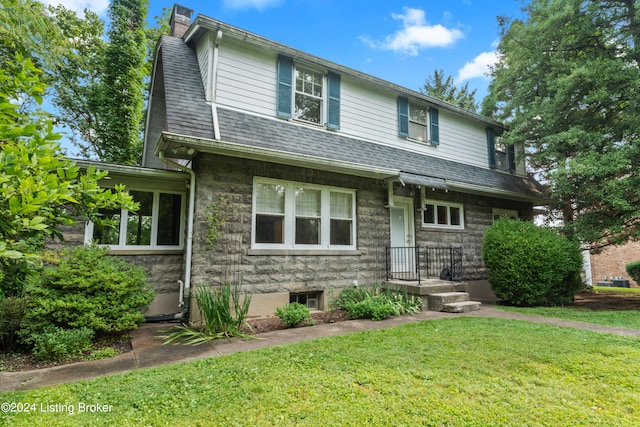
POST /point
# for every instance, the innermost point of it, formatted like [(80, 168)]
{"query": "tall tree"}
[(567, 85), (122, 105), (445, 89)]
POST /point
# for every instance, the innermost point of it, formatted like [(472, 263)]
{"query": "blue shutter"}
[(511, 157), (434, 126), (285, 86), (333, 108), (491, 147), (403, 116)]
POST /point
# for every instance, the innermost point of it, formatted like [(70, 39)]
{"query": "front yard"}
[(459, 371)]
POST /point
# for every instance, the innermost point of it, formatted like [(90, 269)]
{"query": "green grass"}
[(604, 289), (619, 318), (456, 372)]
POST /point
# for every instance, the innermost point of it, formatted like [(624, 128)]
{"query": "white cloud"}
[(97, 6), (416, 34), (252, 4), (478, 67)]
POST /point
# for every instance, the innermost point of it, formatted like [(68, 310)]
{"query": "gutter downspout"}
[(189, 248), (213, 80)]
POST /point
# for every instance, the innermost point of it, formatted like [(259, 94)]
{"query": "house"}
[(313, 176)]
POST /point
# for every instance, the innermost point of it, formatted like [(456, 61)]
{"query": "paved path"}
[(148, 350)]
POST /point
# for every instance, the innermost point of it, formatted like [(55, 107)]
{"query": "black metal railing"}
[(414, 263)]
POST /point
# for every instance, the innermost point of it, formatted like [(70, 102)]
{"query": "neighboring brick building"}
[(612, 261)]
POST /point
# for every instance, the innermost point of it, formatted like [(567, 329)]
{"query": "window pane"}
[(270, 198), (308, 108), (104, 234), (429, 214), (341, 205), (139, 223), (417, 131), (442, 215), (417, 114), (341, 232), (169, 219), (455, 215), (269, 229), (307, 231), (307, 202)]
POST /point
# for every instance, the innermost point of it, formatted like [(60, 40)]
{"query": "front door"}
[(403, 263)]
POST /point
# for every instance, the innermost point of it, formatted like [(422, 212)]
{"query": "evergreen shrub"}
[(633, 269), (530, 265)]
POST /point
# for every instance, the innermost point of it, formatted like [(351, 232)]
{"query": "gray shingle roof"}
[(187, 111), (261, 132)]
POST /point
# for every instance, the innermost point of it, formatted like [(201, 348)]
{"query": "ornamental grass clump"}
[(223, 313)]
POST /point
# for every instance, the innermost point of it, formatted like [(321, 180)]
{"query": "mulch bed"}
[(588, 300)]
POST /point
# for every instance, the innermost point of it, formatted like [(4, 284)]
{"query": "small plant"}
[(294, 314), (222, 312), (374, 303), (11, 314), (58, 344), (102, 353), (633, 269)]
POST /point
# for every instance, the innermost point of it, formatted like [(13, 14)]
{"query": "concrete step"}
[(461, 307), (435, 302)]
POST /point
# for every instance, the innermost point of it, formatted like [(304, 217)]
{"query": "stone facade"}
[(228, 182)]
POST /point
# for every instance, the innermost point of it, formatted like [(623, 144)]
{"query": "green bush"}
[(293, 314), (633, 270), (372, 303), (58, 344), (88, 288), (12, 312), (223, 313), (530, 265)]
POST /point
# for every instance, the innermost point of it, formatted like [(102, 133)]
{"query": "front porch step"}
[(461, 307), (451, 302)]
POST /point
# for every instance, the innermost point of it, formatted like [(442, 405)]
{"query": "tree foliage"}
[(40, 190), (445, 89), (567, 85)]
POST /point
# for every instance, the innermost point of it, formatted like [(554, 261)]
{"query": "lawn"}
[(461, 371)]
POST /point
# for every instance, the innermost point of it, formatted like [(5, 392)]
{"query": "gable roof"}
[(190, 122)]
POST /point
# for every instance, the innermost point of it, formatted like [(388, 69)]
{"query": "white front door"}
[(402, 237)]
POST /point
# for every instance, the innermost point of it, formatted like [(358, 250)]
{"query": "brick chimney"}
[(180, 20)]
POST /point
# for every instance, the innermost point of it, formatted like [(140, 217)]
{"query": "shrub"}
[(530, 265), (633, 270), (222, 314), (365, 303), (88, 288), (293, 314), (11, 314), (59, 344)]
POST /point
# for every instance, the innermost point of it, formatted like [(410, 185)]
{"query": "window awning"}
[(422, 180)]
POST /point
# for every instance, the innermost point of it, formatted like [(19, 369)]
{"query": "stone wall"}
[(228, 182)]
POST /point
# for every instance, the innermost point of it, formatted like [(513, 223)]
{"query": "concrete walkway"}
[(148, 350)]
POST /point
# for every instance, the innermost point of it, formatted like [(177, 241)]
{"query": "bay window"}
[(289, 215)]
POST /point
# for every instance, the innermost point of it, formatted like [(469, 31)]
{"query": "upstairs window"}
[(501, 157), (307, 95), (156, 225), (290, 215), (418, 122)]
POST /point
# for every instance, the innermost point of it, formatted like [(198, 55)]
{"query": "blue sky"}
[(399, 41)]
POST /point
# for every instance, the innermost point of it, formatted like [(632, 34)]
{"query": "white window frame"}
[(510, 213), (426, 139), (290, 216), (448, 206), (155, 210), (322, 98)]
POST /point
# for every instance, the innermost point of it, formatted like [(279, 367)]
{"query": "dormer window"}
[(501, 157), (418, 122), (308, 95)]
